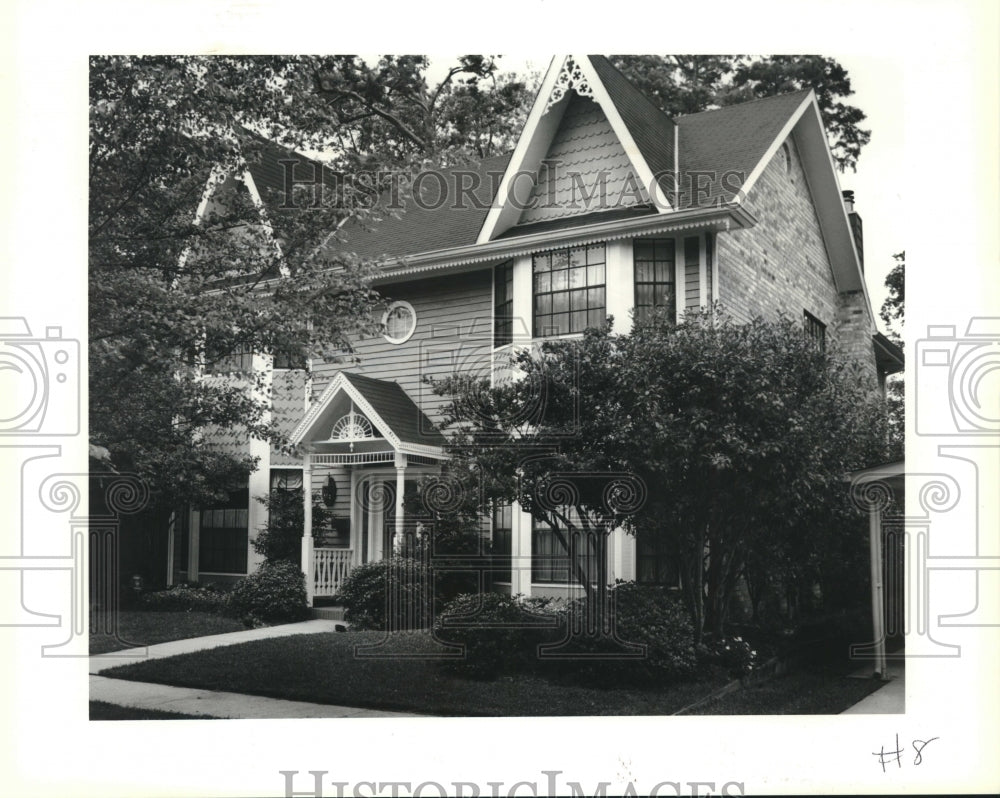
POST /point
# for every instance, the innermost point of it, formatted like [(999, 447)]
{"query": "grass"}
[(101, 710), (323, 668), (812, 689), (145, 628)]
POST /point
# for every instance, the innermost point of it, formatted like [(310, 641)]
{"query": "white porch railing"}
[(330, 569)]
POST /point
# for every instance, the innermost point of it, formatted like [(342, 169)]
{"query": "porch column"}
[(397, 538), (878, 604), (307, 540)]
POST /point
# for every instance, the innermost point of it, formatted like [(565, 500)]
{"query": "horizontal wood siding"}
[(453, 333), (341, 507), (692, 279)]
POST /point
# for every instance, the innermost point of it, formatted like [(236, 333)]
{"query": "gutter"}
[(725, 217)]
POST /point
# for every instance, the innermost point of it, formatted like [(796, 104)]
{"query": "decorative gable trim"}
[(570, 78), (342, 383), (565, 73)]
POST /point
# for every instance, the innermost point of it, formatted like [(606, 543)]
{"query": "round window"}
[(399, 322)]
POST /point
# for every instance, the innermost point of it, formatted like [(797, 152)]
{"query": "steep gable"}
[(568, 79), (586, 168)]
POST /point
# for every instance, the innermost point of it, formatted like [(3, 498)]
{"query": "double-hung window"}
[(654, 276), (569, 293)]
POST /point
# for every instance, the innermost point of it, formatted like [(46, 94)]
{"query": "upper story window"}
[(503, 304), (501, 528), (399, 322), (569, 290), (815, 329), (654, 275)]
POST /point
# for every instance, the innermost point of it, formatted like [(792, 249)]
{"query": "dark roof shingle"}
[(395, 407), (725, 144)]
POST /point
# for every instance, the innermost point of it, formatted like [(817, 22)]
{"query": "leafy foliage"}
[(709, 436), (644, 615), (500, 633), (392, 594), (734, 654), (281, 539), (274, 593), (171, 295), (686, 84), (893, 308), (893, 313), (189, 598)]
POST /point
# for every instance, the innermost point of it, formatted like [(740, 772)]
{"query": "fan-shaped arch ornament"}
[(352, 427)]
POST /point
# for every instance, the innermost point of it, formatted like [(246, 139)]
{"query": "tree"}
[(686, 84), (723, 441), (893, 313), (170, 296), (893, 308)]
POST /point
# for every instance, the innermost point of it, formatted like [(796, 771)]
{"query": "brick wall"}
[(781, 265)]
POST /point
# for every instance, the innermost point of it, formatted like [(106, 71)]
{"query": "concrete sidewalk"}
[(214, 703), (890, 699), (217, 704), (101, 662)]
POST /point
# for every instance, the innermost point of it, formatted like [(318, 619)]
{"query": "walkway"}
[(890, 699), (214, 703)]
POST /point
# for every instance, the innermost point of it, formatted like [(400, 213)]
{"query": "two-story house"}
[(606, 206)]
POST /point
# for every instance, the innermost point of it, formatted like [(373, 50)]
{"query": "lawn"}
[(812, 689), (323, 668), (100, 710), (144, 628)]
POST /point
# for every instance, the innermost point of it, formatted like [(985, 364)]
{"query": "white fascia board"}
[(258, 203), (821, 175), (520, 155), (642, 170), (773, 148), (342, 383)]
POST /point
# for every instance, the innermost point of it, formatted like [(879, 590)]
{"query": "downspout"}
[(677, 166)]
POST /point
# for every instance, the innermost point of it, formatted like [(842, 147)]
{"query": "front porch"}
[(365, 438)]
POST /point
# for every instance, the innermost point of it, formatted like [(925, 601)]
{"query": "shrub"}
[(281, 538), (369, 603), (186, 597), (500, 633), (274, 593), (640, 614), (733, 654)]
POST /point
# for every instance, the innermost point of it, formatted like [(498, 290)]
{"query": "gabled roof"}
[(732, 140), (731, 145), (652, 130), (426, 227), (386, 405)]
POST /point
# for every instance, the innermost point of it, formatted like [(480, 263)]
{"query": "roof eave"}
[(725, 216)]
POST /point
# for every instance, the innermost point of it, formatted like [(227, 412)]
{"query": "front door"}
[(378, 519)]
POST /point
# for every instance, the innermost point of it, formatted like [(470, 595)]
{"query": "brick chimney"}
[(856, 228)]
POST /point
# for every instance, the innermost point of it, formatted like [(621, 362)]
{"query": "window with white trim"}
[(222, 542), (399, 322), (654, 275), (503, 304), (568, 289)]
